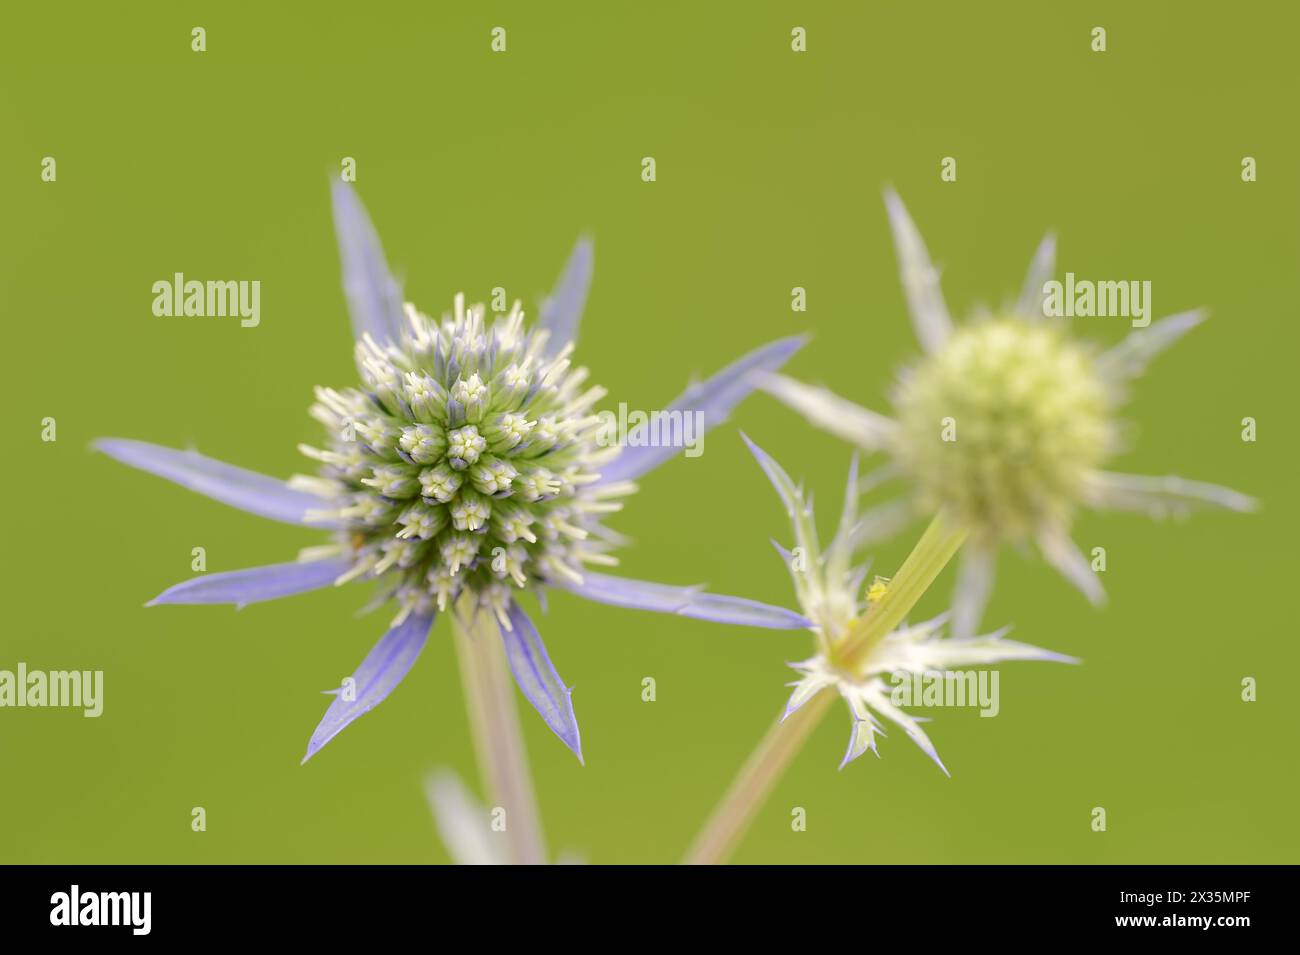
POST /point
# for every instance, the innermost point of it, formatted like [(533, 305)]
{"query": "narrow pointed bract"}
[(850, 422), (373, 295), (920, 278), (561, 313), (1061, 552), (537, 678), (975, 571), (713, 400), (683, 602), (882, 522), (874, 695), (378, 675), (1159, 497), (246, 490), (1129, 359), (1041, 269), (255, 584)]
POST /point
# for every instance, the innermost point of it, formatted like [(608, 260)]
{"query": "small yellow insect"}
[(876, 592)]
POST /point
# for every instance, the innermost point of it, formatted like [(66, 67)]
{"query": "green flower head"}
[(1002, 426), (468, 461), (1005, 424)]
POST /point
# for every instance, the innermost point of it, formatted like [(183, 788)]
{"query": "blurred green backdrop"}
[(479, 170)]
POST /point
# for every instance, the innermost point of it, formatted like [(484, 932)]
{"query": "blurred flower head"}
[(1030, 421), (469, 831), (1005, 424)]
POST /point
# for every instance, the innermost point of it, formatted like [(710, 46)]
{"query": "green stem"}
[(494, 725), (754, 783), (777, 749), (941, 540)]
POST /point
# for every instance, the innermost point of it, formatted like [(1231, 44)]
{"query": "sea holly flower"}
[(465, 469), (830, 589), (1006, 423)]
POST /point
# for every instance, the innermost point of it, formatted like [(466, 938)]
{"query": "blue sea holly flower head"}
[(834, 595), (1006, 424), (468, 467)]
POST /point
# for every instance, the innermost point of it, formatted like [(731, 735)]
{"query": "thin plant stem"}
[(494, 726), (783, 741), (753, 784)]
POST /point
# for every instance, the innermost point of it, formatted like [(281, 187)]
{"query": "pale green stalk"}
[(774, 753), (494, 725), (754, 783), (928, 558)]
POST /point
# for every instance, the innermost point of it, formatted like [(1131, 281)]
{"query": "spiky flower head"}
[(467, 461), (830, 587), (1005, 424), (467, 465)]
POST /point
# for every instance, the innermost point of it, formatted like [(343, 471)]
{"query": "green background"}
[(479, 170)]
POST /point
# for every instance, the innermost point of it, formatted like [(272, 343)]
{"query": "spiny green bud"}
[(440, 483), (378, 435), (537, 484), (426, 398), (510, 562), (506, 431), (398, 553), (511, 523), (470, 396), (458, 550), (423, 443), (545, 436), (469, 511), (511, 384), (392, 481), (493, 476), (464, 445), (422, 520)]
